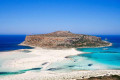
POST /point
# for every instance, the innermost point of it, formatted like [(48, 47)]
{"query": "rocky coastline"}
[(64, 39)]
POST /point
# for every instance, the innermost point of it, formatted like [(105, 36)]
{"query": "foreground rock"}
[(64, 39), (112, 77)]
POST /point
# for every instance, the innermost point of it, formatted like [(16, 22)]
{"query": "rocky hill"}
[(63, 39)]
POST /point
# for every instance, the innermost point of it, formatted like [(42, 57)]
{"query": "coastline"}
[(97, 46), (40, 56), (22, 44)]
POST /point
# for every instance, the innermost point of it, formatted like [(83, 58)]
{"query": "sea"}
[(100, 58), (11, 42)]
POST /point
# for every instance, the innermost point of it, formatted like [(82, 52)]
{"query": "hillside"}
[(63, 39)]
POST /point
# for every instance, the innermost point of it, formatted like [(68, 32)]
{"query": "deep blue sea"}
[(10, 42)]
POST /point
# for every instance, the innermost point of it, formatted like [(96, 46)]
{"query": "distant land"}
[(64, 39)]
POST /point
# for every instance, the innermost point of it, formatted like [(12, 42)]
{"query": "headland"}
[(64, 39)]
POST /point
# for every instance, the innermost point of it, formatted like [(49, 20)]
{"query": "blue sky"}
[(44, 16)]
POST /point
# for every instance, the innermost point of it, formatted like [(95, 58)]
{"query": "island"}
[(64, 39)]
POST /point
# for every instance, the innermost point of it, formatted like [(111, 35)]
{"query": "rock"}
[(44, 63), (90, 64), (54, 69), (71, 66), (63, 39), (112, 77)]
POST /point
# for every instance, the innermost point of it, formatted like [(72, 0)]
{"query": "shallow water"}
[(109, 56), (18, 72), (94, 58)]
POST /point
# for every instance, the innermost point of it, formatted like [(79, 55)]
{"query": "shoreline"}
[(22, 44), (97, 46), (40, 56)]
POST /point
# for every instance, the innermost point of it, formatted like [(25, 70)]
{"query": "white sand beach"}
[(38, 57)]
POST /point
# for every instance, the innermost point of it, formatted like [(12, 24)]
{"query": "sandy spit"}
[(38, 56)]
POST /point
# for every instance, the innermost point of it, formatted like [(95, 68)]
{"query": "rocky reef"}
[(64, 39)]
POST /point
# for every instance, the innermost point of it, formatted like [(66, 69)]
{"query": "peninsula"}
[(64, 39)]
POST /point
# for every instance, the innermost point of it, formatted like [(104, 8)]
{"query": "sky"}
[(44, 16)]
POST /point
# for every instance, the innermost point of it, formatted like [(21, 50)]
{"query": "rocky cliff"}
[(64, 39)]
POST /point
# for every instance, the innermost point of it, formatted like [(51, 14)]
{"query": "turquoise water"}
[(94, 58), (18, 72), (109, 56)]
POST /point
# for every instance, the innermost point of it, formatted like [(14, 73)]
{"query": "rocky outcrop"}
[(64, 39)]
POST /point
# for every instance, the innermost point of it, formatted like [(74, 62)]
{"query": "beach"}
[(36, 58)]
